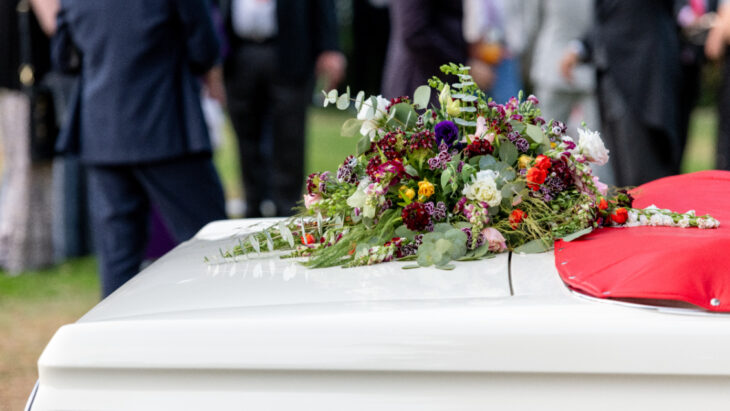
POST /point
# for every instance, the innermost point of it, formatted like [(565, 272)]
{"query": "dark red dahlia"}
[(372, 167), (416, 217), (478, 147)]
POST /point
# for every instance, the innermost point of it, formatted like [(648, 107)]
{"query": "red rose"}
[(307, 239), (620, 216), (535, 177), (543, 162), (603, 204), (516, 217)]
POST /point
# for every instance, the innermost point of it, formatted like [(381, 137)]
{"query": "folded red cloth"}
[(666, 263)]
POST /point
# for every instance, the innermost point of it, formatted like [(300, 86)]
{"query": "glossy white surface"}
[(267, 334)]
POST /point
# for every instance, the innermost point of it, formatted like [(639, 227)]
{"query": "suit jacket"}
[(636, 43), (305, 29), (139, 98), (424, 35)]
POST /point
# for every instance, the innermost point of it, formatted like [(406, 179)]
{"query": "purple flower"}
[(522, 144), (532, 99), (446, 133), (517, 117), (441, 160), (512, 136)]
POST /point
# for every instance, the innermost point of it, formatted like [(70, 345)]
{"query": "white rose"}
[(484, 188), (372, 115), (592, 147)]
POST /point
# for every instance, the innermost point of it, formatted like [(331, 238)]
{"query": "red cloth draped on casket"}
[(665, 263)]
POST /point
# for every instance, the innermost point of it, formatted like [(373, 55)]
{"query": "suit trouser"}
[(639, 153), (269, 115), (186, 191), (723, 105)]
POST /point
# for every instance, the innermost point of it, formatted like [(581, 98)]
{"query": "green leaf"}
[(422, 96), (465, 123), (442, 228), (481, 251), (445, 177), (446, 267), (411, 170), (535, 133), (363, 145), (286, 234), (508, 152), (269, 241), (468, 99), (351, 127), (320, 223), (468, 109), (332, 96), (410, 266), (254, 243), (343, 102), (574, 236), (359, 99), (402, 115), (518, 126), (403, 231), (533, 247), (487, 162)]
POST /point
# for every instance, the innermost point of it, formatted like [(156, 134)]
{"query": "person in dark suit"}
[(424, 35), (635, 48), (276, 47), (137, 121)]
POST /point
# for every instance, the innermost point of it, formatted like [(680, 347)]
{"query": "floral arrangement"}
[(461, 181)]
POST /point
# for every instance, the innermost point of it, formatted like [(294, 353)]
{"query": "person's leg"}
[(119, 211), (289, 116), (247, 102), (555, 104), (186, 192), (723, 111)]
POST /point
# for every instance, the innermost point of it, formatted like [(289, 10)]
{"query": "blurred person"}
[(137, 123), (369, 46), (498, 32), (26, 240), (424, 35), (560, 22), (717, 47), (635, 48), (276, 48)]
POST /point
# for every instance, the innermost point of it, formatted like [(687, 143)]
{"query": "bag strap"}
[(26, 71)]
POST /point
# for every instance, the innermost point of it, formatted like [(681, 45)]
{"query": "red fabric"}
[(667, 263)]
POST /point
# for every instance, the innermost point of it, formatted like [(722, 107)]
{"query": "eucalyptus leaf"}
[(468, 99), (465, 123), (410, 170), (533, 247), (445, 177), (351, 127), (320, 223), (359, 99), (422, 96), (446, 267), (363, 145), (404, 232), (402, 115), (286, 234), (343, 102), (269, 241), (487, 162), (410, 266), (254, 243), (535, 133), (442, 228), (332, 96), (462, 224), (576, 235), (339, 222), (508, 152), (468, 109)]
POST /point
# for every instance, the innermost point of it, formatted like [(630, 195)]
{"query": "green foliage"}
[(441, 246)]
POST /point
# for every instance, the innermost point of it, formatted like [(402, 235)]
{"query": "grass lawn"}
[(34, 305)]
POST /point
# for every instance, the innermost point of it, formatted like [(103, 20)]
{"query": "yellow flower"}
[(553, 144), (425, 188), (524, 161), (407, 192), (453, 107)]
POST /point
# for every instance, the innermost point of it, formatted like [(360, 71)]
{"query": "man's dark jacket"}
[(139, 99)]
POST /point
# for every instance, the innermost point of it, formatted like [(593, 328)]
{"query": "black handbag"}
[(43, 125)]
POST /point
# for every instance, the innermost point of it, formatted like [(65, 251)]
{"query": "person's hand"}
[(482, 73), (567, 65), (331, 66), (715, 43), (213, 81)]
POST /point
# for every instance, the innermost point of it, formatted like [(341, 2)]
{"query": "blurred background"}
[(504, 48)]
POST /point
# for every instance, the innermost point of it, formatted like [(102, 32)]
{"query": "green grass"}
[(66, 280), (700, 151)]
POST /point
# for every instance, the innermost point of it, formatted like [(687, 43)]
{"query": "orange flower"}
[(620, 215), (516, 217), (535, 177), (543, 162), (603, 204), (307, 239)]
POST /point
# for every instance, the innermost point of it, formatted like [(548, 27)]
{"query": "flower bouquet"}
[(459, 181)]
